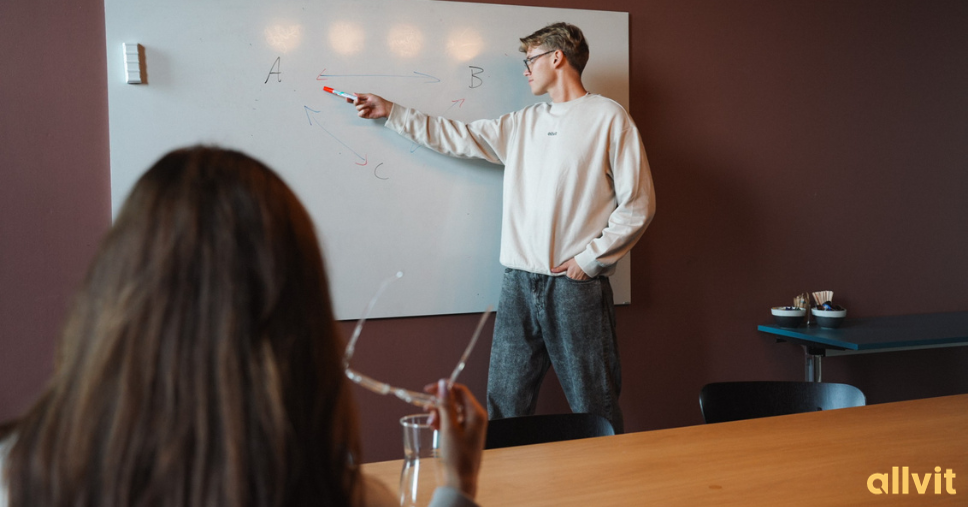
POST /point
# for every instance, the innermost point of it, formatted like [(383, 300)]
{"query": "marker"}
[(339, 93)]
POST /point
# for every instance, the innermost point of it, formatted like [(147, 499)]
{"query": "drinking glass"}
[(421, 468)]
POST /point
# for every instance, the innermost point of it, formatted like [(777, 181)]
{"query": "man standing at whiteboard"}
[(577, 197)]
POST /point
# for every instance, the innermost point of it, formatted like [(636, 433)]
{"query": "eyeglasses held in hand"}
[(422, 400)]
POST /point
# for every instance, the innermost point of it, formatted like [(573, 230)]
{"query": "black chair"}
[(538, 429), (733, 401)]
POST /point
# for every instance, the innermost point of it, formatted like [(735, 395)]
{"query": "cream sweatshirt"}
[(576, 178)]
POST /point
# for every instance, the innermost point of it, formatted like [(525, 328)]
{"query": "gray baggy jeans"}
[(554, 321)]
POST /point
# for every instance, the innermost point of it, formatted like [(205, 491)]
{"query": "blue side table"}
[(873, 334)]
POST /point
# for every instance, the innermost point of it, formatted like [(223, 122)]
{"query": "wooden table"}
[(874, 334), (813, 459)]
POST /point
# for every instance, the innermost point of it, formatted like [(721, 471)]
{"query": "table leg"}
[(813, 364)]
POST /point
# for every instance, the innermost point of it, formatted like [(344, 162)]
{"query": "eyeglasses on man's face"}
[(530, 59), (422, 400)]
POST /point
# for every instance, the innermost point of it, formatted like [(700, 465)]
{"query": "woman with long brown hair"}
[(201, 365)]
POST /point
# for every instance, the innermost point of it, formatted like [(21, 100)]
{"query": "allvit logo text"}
[(901, 479)]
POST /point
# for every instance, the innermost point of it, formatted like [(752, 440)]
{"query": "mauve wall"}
[(795, 145), (54, 178)]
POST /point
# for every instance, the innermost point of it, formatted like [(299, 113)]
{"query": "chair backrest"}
[(732, 401), (538, 429)]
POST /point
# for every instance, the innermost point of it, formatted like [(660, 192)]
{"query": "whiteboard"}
[(248, 75)]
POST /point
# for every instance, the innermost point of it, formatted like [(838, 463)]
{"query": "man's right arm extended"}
[(485, 139)]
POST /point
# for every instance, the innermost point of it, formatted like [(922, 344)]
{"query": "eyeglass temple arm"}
[(421, 399), (470, 346), (351, 345)]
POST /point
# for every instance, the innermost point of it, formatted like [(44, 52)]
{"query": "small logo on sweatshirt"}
[(552, 133)]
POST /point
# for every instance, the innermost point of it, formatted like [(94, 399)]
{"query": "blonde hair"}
[(562, 36)]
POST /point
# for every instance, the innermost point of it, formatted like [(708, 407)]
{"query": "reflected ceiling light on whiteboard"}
[(284, 38), (346, 37), (405, 40), (464, 44)]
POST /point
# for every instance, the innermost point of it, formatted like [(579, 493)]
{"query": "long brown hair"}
[(200, 364)]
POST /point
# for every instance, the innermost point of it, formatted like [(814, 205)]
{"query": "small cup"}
[(788, 316), (829, 319), (421, 472)]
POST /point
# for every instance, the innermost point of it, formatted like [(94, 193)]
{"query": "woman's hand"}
[(462, 424)]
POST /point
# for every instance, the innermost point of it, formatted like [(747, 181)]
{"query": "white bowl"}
[(829, 319), (819, 312), (782, 311), (786, 317)]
